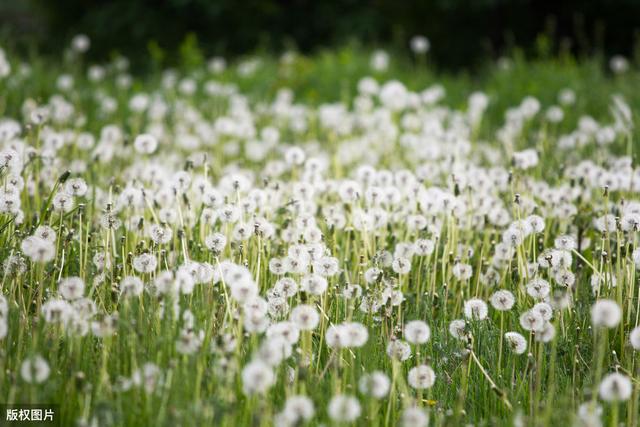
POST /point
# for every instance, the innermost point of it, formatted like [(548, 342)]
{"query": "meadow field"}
[(346, 238)]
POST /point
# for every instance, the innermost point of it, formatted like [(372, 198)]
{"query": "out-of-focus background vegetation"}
[(463, 33)]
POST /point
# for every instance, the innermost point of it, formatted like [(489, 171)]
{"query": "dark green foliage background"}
[(463, 32)]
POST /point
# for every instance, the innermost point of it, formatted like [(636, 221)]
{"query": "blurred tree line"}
[(462, 32)]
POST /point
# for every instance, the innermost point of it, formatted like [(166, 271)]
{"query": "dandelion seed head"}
[(634, 338), (516, 342), (414, 417), (531, 320), (615, 387), (131, 286), (344, 408), (71, 288), (305, 317), (417, 332), (502, 300), (145, 263), (35, 370), (375, 384), (606, 313), (398, 349), (421, 377), (475, 309)]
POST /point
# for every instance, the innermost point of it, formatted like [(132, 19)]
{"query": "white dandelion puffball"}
[(615, 387), (145, 143), (516, 342), (475, 309), (547, 333), (417, 332), (634, 338), (35, 370), (344, 408), (420, 44), (421, 377), (298, 409), (606, 313), (458, 329), (589, 414), (71, 288), (305, 317), (4, 328), (80, 43), (257, 377), (502, 300), (414, 417), (531, 321), (376, 384), (398, 349)]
